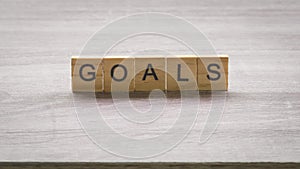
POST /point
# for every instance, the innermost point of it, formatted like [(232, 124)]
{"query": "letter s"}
[(209, 68)]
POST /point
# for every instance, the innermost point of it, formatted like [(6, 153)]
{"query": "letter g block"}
[(86, 74)]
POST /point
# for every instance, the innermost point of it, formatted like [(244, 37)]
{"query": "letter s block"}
[(213, 72)]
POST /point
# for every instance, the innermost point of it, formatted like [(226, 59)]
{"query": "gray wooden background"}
[(261, 121)]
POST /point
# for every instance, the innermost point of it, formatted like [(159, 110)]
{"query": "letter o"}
[(113, 70)]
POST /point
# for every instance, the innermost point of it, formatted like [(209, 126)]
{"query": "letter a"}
[(152, 72)]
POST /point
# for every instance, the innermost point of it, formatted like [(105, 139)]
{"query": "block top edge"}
[(152, 56)]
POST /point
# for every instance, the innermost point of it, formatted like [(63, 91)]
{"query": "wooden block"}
[(85, 65), (212, 62), (182, 71), (209, 78), (118, 74), (216, 87), (86, 74), (204, 82), (213, 72), (80, 85), (150, 73)]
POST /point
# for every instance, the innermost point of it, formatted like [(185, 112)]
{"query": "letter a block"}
[(86, 74), (182, 73), (150, 73), (118, 74)]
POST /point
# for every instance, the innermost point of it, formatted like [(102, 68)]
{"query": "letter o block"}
[(118, 74)]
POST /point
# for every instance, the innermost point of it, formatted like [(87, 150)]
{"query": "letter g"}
[(93, 74)]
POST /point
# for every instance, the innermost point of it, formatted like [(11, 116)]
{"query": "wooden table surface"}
[(261, 119)]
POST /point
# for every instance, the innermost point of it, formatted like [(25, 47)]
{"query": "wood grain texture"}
[(149, 165), (260, 122)]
